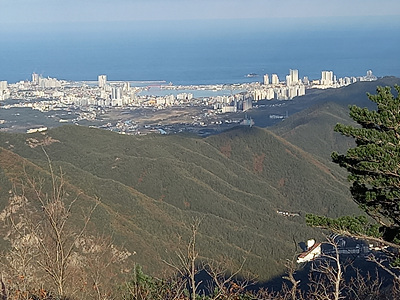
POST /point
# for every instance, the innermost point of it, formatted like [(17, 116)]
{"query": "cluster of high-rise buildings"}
[(232, 103), (329, 80), (48, 82), (273, 88), (113, 93)]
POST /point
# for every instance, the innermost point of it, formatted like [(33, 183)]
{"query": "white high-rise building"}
[(274, 79), (327, 78), (294, 77), (282, 93), (102, 81), (4, 92), (266, 79), (247, 104), (116, 93), (369, 76), (292, 92), (289, 80), (126, 87), (35, 79), (3, 85), (49, 82)]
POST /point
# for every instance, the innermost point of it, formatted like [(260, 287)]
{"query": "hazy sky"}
[(71, 11)]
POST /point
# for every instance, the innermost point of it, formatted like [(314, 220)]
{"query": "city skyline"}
[(88, 101)]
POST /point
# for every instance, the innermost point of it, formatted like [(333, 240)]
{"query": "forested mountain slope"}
[(151, 187)]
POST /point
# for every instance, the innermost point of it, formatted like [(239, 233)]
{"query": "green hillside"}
[(311, 129), (152, 186)]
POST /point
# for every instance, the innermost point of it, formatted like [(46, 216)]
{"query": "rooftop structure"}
[(313, 251)]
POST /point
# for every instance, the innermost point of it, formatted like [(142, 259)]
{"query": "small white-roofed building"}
[(313, 251)]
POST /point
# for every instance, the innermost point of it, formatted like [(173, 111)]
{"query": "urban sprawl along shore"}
[(177, 108)]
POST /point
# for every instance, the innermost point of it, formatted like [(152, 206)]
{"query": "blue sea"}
[(185, 53)]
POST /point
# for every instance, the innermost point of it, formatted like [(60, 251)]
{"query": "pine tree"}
[(374, 164), (374, 171)]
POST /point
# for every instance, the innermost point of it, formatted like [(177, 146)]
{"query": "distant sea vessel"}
[(251, 75)]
